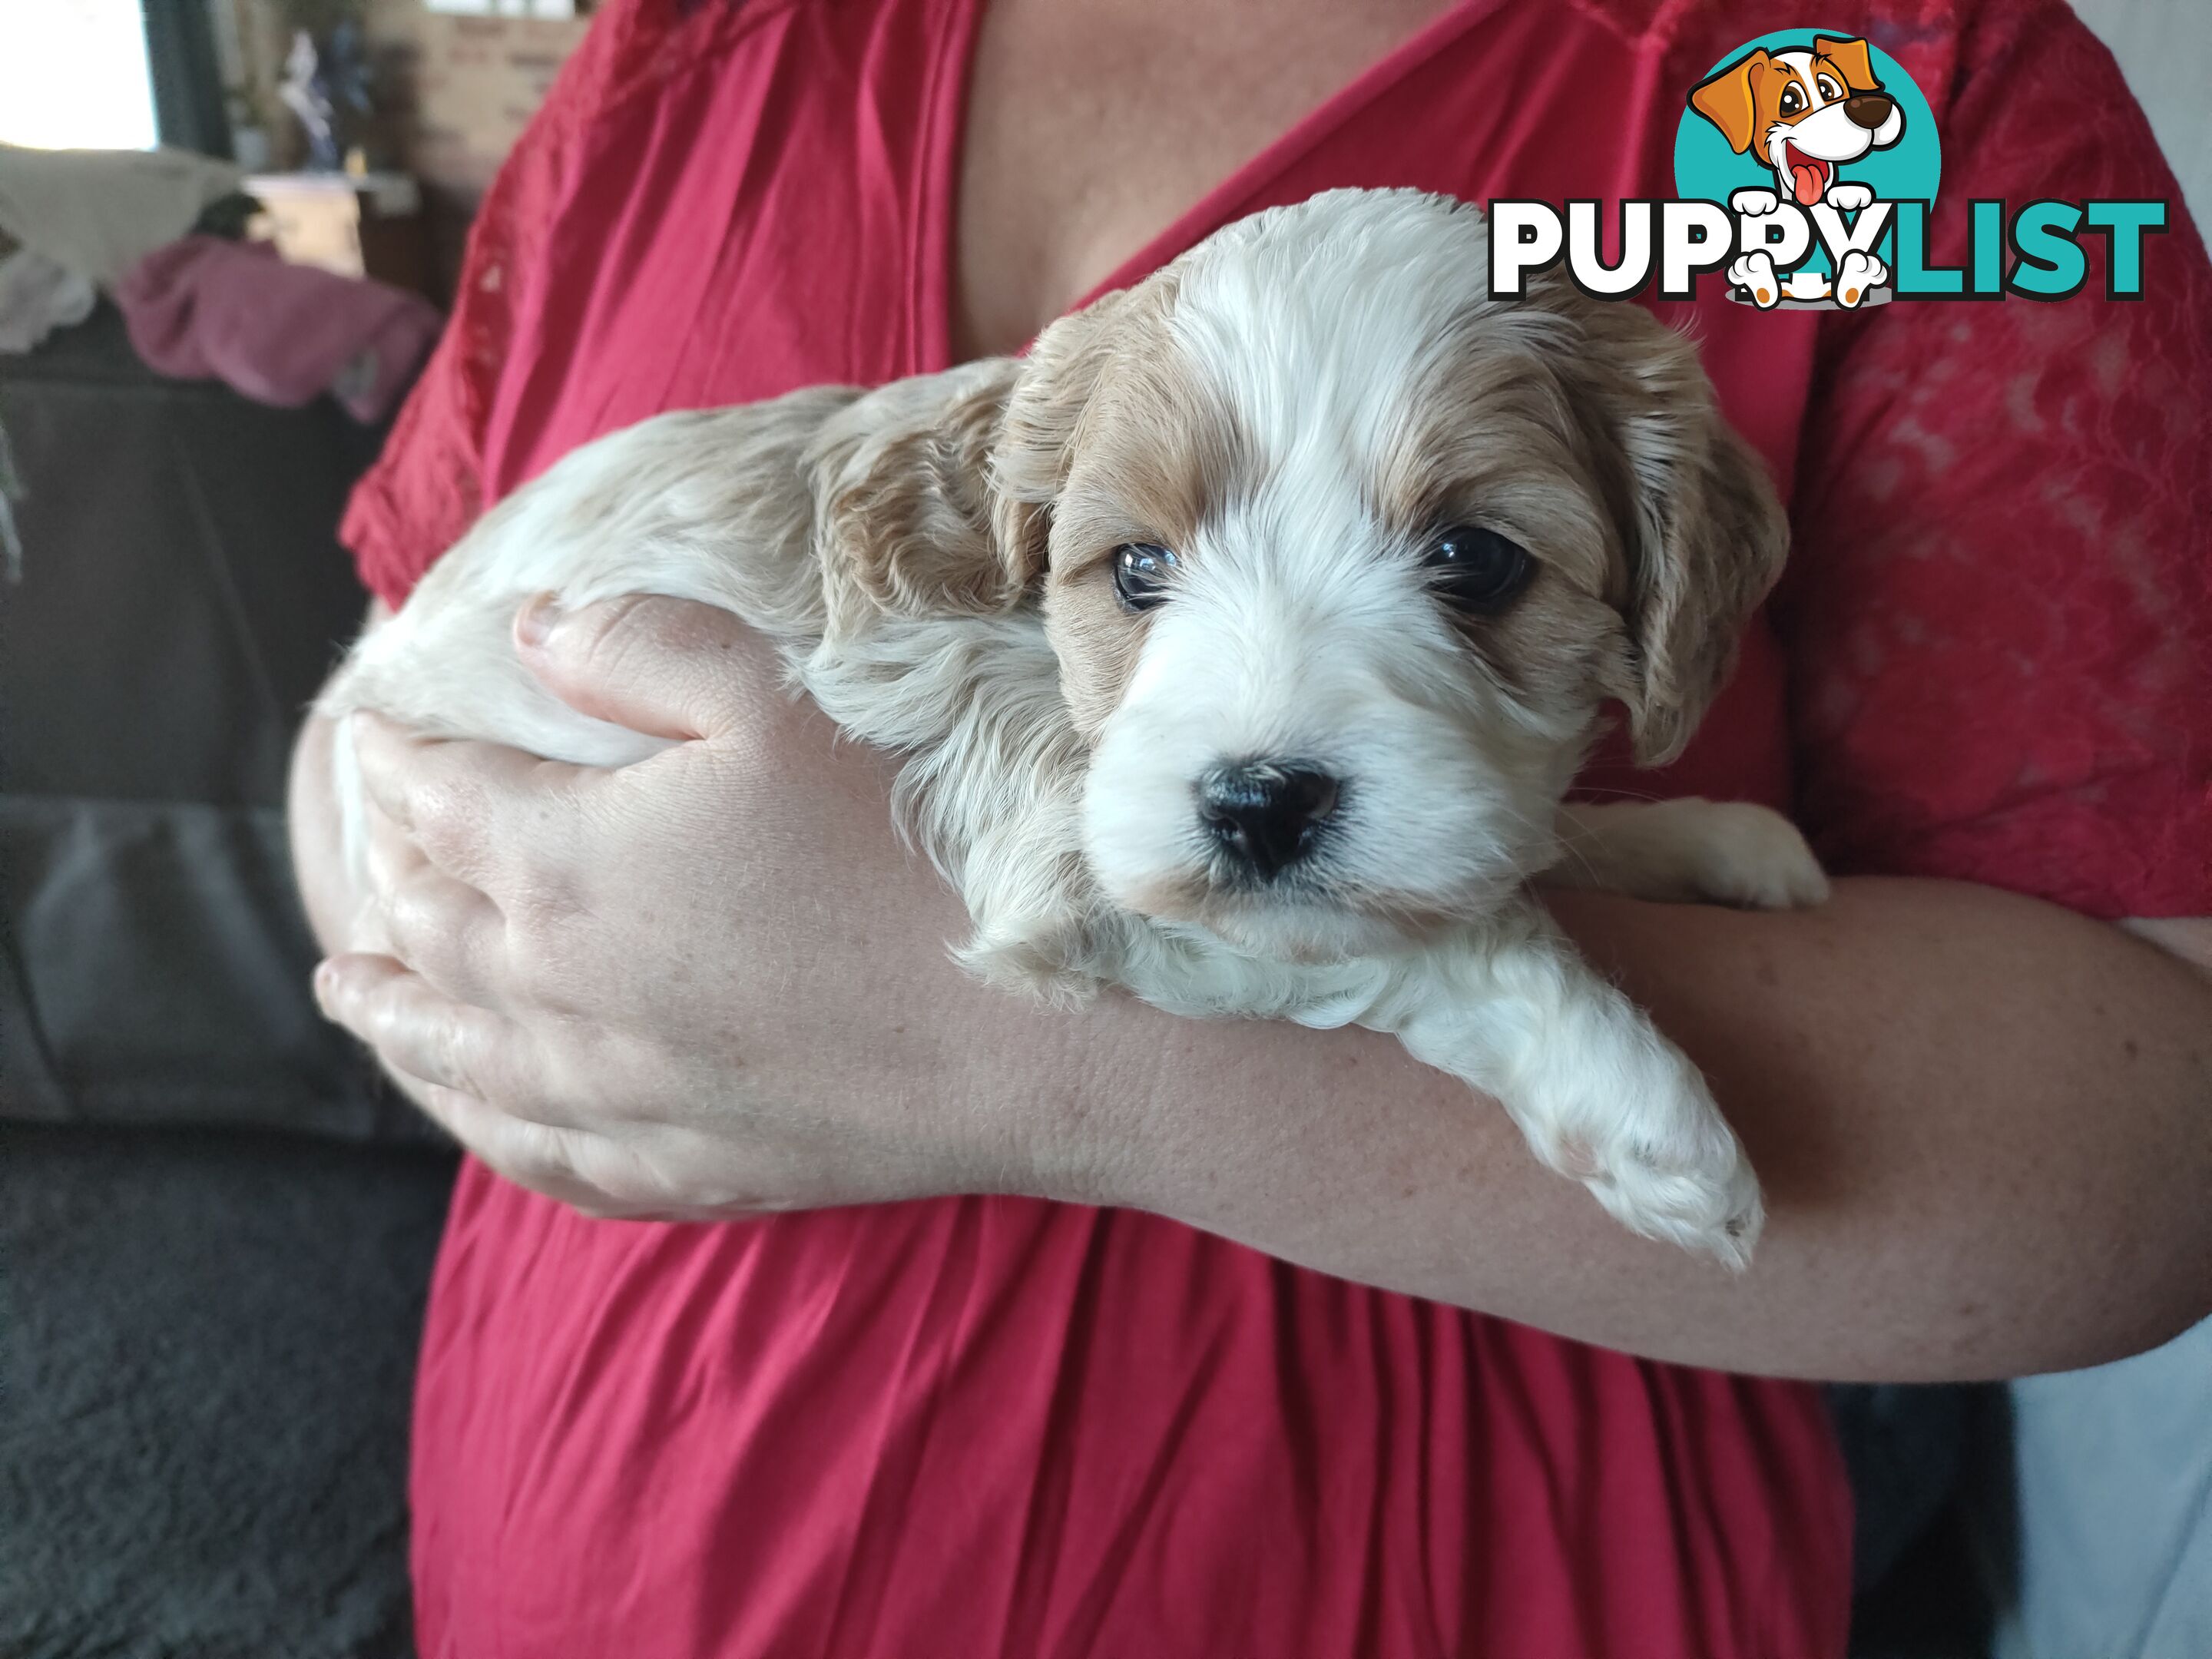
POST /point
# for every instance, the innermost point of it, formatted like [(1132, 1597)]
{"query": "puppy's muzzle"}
[(1266, 815), (1869, 109)]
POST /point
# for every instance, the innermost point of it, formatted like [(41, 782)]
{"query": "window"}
[(73, 75)]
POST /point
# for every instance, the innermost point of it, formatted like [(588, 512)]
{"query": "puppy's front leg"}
[(1599, 1093), (1687, 852)]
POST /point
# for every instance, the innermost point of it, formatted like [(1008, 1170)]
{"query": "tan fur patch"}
[(1853, 62), (1495, 441), (904, 500), (1704, 533), (1098, 642), (1110, 421), (1731, 99), (1587, 433)]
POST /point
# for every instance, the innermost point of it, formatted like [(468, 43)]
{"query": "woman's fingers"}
[(463, 803), (444, 929), (669, 668), (432, 1037), (473, 1072), (449, 933)]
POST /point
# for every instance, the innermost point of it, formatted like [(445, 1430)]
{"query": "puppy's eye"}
[(1477, 569), (1829, 89), (1140, 575), (1793, 99)]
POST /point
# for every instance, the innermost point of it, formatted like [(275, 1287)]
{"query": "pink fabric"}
[(202, 308), (990, 1426)]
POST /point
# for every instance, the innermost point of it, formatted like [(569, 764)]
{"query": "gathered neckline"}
[(938, 267)]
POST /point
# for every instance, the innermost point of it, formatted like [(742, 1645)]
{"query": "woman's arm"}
[(1985, 1124)]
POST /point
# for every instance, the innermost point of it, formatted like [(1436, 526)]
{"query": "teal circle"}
[(1706, 169)]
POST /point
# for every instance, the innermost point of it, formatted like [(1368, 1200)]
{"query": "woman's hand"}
[(708, 984)]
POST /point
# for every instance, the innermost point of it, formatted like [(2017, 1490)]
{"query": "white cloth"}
[(2112, 1474), (38, 296), (98, 212)]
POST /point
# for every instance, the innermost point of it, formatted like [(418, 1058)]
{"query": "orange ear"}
[(1728, 100), (904, 504), (1704, 531), (1852, 58)]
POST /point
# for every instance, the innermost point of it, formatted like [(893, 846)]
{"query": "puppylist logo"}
[(1806, 165)]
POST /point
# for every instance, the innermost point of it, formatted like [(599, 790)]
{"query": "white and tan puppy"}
[(1241, 641)]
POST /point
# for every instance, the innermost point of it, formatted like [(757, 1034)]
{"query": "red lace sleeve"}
[(426, 487), (1999, 613)]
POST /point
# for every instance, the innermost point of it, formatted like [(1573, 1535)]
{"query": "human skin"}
[(713, 984)]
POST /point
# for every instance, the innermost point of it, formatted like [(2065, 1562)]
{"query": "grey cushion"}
[(180, 597), (157, 973), (210, 1346)]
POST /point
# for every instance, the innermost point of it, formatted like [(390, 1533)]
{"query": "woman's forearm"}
[(1984, 1126)]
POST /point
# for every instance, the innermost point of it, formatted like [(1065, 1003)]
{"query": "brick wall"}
[(455, 92), (460, 91), (462, 88)]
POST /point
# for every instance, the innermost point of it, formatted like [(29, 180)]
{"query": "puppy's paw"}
[(1040, 963), (1749, 855), (1599, 1094), (1675, 1172), (1849, 199), (1858, 275), (1755, 203), (1689, 851), (1754, 273)]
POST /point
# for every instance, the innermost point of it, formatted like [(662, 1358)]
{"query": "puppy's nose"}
[(1266, 813), (1868, 109)]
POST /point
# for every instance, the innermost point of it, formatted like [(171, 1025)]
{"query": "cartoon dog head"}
[(1804, 112)]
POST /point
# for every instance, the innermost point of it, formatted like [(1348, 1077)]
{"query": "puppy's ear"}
[(1730, 99), (1852, 57), (1704, 531), (1037, 445), (904, 498)]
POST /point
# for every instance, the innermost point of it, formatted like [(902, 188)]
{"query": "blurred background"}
[(228, 229), (456, 80)]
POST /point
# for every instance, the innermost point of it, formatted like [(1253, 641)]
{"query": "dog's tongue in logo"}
[(1809, 176)]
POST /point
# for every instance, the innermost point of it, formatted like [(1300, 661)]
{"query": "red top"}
[(990, 1426)]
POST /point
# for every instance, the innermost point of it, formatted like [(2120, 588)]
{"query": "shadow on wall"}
[(2165, 46)]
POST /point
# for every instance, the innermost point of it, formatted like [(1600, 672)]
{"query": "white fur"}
[(1293, 635), (1859, 275), (1296, 633)]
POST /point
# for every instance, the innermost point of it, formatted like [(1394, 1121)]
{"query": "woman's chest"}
[(833, 199), (858, 191), (1090, 128)]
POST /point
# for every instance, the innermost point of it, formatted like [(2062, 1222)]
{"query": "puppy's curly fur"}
[(1293, 412)]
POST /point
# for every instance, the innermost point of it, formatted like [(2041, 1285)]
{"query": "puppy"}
[(1241, 641), (1807, 113)]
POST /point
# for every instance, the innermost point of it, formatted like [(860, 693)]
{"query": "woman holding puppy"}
[(949, 1325)]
